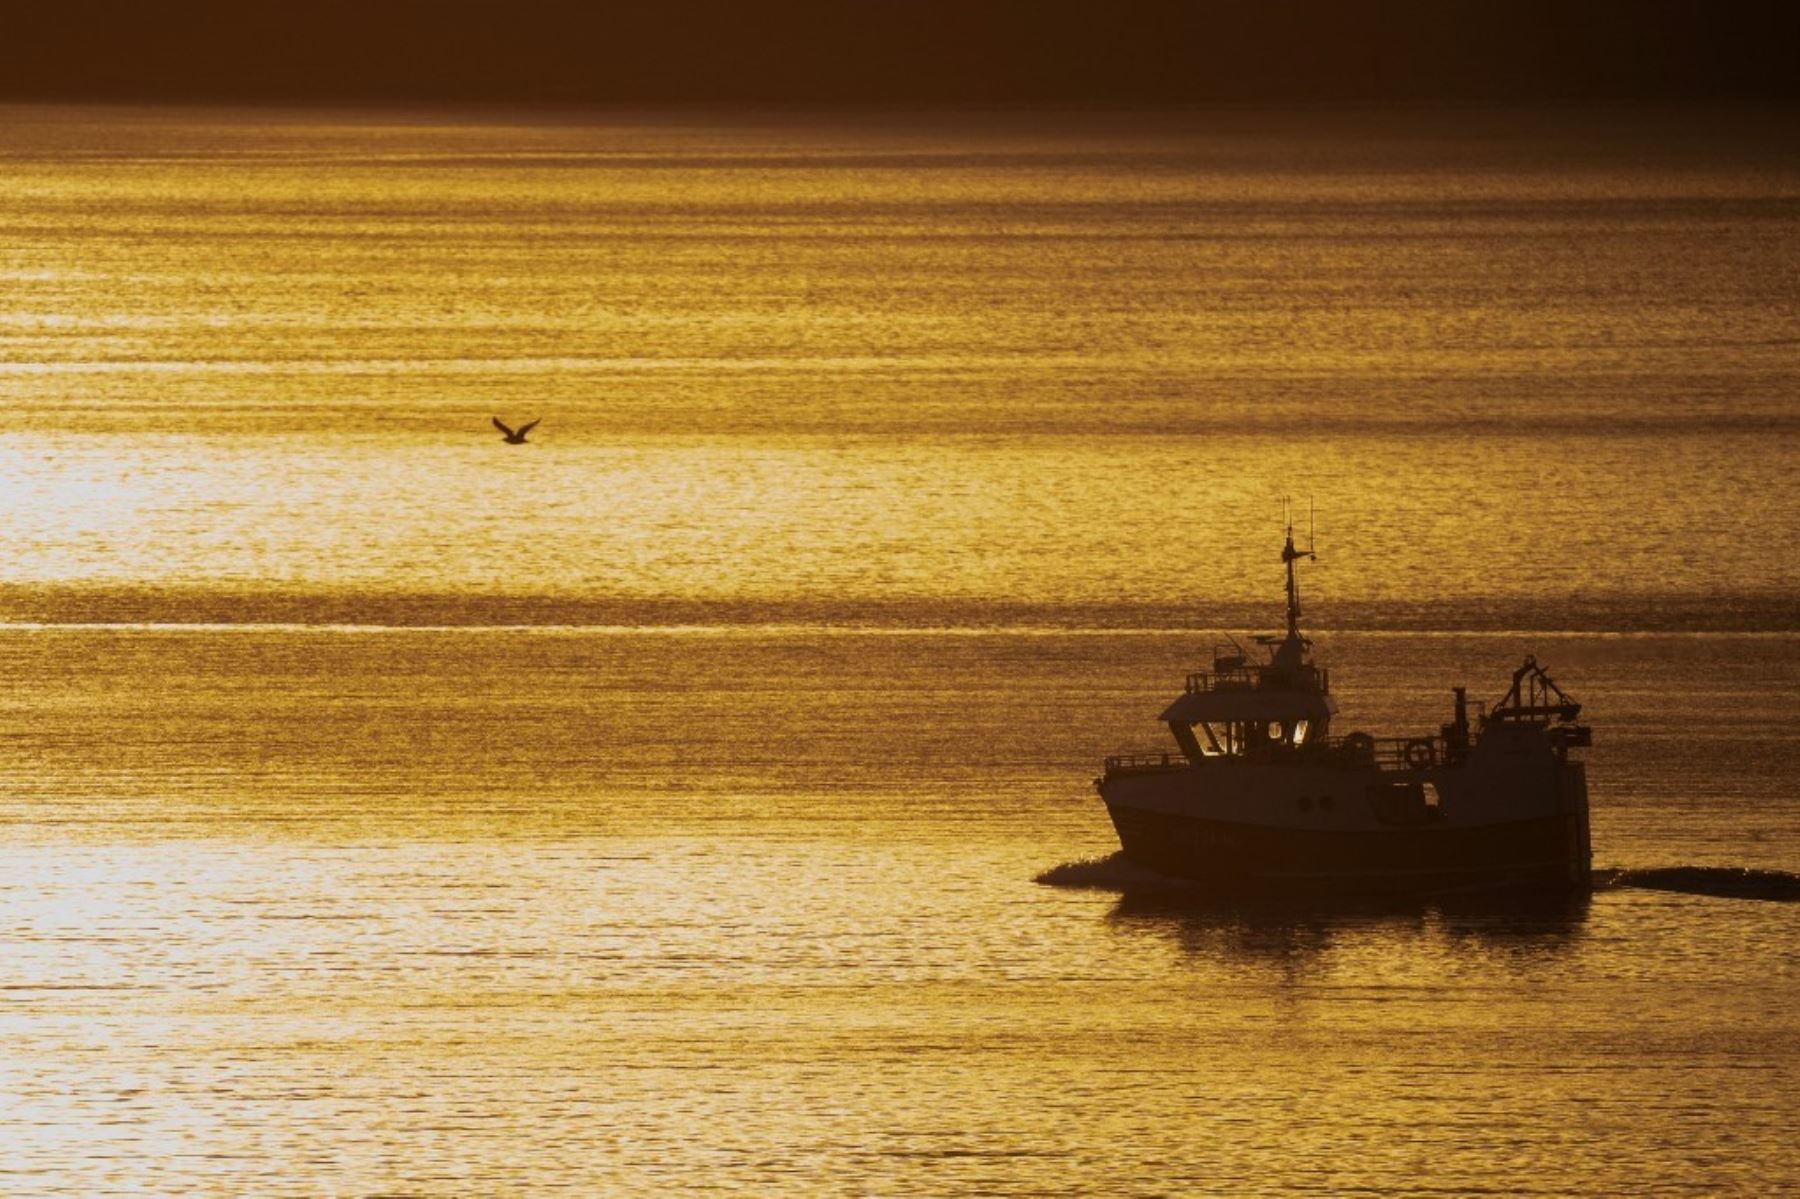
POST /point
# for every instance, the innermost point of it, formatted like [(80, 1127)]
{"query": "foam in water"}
[(1112, 872), (1725, 882)]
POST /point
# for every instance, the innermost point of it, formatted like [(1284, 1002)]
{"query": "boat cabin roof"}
[(1220, 707)]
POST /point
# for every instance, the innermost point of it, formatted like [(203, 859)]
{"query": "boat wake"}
[(1110, 873), (1114, 873), (1724, 882)]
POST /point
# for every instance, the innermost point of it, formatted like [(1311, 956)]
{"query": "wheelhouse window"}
[(1230, 738)]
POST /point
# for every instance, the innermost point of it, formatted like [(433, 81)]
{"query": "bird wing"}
[(528, 428), (501, 425)]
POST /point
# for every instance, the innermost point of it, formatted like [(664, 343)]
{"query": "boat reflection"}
[(1523, 926)]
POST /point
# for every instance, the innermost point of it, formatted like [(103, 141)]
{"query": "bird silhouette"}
[(515, 437)]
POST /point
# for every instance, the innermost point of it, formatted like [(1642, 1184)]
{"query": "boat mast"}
[(1288, 556)]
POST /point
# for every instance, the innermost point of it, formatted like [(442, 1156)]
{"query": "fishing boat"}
[(1259, 795)]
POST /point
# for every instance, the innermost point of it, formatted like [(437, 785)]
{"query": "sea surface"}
[(698, 798)]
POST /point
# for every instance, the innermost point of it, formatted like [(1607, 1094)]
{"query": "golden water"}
[(384, 809)]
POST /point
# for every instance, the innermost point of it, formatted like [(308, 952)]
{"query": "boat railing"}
[(1355, 749), (1252, 678), (1221, 680), (1388, 753), (1142, 762)]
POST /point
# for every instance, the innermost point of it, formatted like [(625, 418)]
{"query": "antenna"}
[(1309, 524), (1288, 555)]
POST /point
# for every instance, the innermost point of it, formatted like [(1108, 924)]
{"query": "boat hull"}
[(1548, 851)]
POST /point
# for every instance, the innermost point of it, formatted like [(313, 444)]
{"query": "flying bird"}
[(515, 437)]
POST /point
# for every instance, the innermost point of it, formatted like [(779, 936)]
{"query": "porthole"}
[(1324, 803), (1306, 803)]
